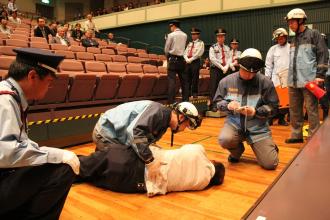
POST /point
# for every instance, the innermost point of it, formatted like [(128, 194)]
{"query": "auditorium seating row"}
[(91, 81)]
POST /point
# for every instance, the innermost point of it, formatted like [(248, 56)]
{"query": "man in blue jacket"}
[(308, 63), (138, 124), (250, 99)]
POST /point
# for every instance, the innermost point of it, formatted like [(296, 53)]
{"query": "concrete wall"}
[(184, 9)]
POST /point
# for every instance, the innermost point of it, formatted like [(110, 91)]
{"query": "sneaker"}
[(294, 140), (232, 159)]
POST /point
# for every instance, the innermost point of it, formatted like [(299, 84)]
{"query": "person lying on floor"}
[(118, 168)]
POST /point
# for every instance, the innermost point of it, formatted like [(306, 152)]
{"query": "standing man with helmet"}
[(174, 50), (250, 99), (220, 60), (277, 60), (192, 55), (234, 54), (34, 180), (308, 63), (138, 124)]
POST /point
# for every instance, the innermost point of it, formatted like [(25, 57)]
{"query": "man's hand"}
[(154, 169), (318, 81), (72, 160), (247, 111), (233, 105)]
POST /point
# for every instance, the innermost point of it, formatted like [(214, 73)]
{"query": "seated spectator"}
[(115, 8), (88, 41), (42, 30), (11, 6), (130, 6), (4, 28), (105, 11), (61, 38), (111, 38), (53, 28), (77, 33), (14, 19), (4, 13), (206, 64), (67, 30)]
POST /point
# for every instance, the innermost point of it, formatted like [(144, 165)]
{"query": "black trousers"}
[(37, 192), (116, 167), (175, 66), (216, 75), (325, 100), (191, 79)]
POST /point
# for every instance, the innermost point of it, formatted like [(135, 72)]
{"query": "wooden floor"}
[(244, 183)]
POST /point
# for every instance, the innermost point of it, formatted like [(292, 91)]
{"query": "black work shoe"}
[(294, 140), (283, 122), (232, 159)]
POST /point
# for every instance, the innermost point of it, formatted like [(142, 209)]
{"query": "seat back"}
[(132, 59), (119, 58), (75, 48), (57, 91), (7, 50), (17, 43), (150, 69), (5, 62), (133, 68), (58, 47), (108, 51), (103, 57), (40, 45), (117, 68), (84, 56), (66, 53), (93, 50)]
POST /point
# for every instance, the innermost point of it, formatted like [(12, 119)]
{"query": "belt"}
[(6, 172), (175, 56)]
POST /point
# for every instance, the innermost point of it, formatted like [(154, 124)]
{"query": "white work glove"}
[(225, 69), (233, 105), (247, 111), (72, 160), (232, 67), (318, 81)]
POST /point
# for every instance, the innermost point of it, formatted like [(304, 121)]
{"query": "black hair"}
[(219, 174), (19, 70)]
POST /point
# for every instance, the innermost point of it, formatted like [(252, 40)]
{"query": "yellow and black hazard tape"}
[(55, 120)]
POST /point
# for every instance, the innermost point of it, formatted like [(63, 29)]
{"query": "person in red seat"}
[(88, 41)]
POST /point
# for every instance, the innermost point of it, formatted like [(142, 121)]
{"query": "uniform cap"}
[(41, 58), (195, 31), (234, 41), (220, 31), (174, 22)]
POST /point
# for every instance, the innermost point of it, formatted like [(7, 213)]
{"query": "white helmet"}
[(279, 32), (296, 13), (190, 112), (251, 60)]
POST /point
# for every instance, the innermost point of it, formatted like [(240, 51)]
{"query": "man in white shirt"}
[(4, 28), (234, 54), (174, 50), (192, 55), (90, 25), (277, 60), (61, 38), (14, 19), (118, 168)]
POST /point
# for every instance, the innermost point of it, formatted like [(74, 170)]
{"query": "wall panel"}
[(252, 27)]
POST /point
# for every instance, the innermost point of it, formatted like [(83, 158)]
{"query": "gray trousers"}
[(265, 150), (297, 96)]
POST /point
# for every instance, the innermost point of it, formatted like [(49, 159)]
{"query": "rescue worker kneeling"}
[(119, 169), (250, 99)]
